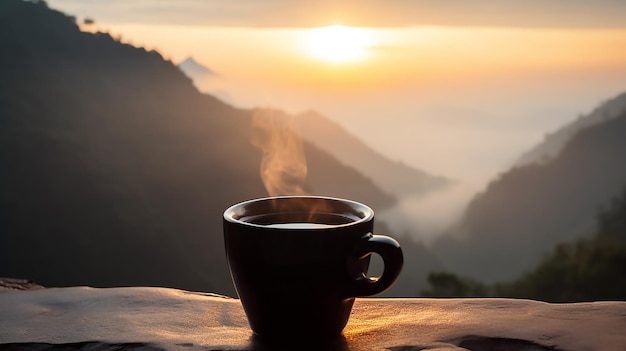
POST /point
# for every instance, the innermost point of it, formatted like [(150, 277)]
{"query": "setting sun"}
[(338, 43)]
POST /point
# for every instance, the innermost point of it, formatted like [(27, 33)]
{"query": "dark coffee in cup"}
[(298, 262)]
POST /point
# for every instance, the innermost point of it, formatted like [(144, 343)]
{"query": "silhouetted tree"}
[(612, 221), (446, 284), (586, 270)]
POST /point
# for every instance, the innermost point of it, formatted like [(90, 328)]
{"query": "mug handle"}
[(391, 254)]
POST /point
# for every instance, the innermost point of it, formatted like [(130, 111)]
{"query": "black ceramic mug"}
[(298, 262)]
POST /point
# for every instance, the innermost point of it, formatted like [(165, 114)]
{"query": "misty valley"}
[(116, 170)]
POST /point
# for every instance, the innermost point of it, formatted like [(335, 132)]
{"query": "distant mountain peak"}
[(194, 69)]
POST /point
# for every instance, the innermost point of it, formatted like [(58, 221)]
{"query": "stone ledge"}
[(144, 318), (18, 284)]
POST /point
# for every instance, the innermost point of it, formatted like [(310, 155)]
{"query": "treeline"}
[(589, 269)]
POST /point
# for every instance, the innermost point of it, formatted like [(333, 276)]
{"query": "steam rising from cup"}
[(283, 167)]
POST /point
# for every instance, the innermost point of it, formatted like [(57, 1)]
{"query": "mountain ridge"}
[(554, 142), (530, 208), (396, 177), (116, 169)]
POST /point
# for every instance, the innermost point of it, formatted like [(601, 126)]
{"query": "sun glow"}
[(338, 43)]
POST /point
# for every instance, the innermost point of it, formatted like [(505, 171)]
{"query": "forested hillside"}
[(587, 269), (526, 211)]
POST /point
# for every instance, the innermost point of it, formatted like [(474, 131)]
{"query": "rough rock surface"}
[(18, 284), (141, 318)]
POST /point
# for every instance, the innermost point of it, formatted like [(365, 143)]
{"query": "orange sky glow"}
[(393, 55), (401, 67), (474, 85), (458, 89)]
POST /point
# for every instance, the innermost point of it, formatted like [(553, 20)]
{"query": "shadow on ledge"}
[(78, 346), (483, 343), (335, 344), (471, 343)]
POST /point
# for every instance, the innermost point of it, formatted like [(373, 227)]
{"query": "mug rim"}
[(231, 213)]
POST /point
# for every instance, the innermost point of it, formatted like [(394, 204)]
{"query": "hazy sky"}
[(366, 13), (457, 88)]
